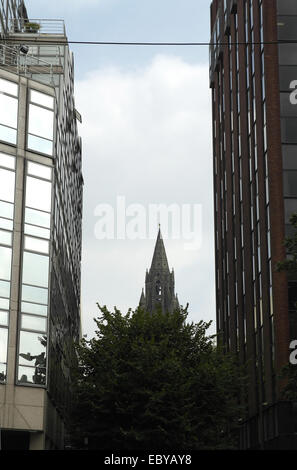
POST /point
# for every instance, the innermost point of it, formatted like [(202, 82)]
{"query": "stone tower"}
[(159, 283)]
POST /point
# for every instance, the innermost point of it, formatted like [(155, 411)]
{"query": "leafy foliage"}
[(154, 381)]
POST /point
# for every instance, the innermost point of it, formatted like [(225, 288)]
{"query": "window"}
[(287, 54), (42, 99), (41, 123), (290, 208), (33, 322), (32, 358), (287, 109), (7, 161), (36, 244), (38, 194), (290, 183), (7, 182), (35, 278), (287, 7), (41, 171), (289, 157), (35, 217), (5, 265), (8, 111), (34, 294), (3, 353), (288, 129), (35, 269), (7, 189), (287, 75), (8, 87), (286, 26)]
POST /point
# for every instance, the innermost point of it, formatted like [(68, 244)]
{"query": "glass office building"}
[(253, 62), (40, 229)]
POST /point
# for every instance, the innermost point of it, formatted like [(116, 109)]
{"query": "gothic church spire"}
[(159, 282)]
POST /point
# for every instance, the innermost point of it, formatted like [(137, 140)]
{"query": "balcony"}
[(37, 27), (13, 59)]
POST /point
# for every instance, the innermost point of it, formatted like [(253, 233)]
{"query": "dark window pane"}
[(286, 7), (290, 208), (289, 157), (289, 130), (287, 75), (287, 108), (287, 54), (290, 183), (286, 26)]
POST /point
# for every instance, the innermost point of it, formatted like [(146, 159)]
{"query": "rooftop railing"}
[(37, 26), (23, 63)]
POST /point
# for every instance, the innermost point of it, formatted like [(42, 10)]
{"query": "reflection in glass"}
[(3, 318), (35, 309), (33, 353), (7, 181), (5, 238), (4, 289), (34, 294), (37, 218), (41, 122), (40, 145), (6, 224), (3, 344), (41, 171), (35, 244), (38, 194), (5, 265), (7, 160), (31, 345), (35, 269), (7, 134), (31, 322), (27, 375), (41, 98), (8, 111), (6, 210), (8, 87), (2, 372)]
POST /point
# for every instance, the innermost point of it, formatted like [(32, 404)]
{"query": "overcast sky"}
[(146, 139)]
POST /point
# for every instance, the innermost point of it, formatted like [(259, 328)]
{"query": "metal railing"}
[(37, 26), (11, 58)]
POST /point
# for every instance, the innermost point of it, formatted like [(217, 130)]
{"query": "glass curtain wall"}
[(7, 197), (35, 275)]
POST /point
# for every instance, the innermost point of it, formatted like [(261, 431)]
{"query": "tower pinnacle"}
[(159, 282)]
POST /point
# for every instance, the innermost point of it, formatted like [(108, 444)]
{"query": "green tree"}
[(154, 382)]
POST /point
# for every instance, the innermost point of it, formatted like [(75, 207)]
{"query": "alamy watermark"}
[(293, 94), (137, 221), (293, 355)]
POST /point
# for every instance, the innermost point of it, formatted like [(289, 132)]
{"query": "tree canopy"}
[(154, 381)]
